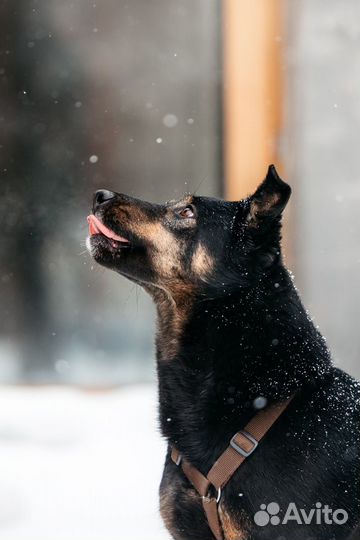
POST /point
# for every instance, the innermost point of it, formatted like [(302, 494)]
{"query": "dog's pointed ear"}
[(270, 199)]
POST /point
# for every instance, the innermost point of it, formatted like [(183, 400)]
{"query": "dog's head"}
[(194, 244)]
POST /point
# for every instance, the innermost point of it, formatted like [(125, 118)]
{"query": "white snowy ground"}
[(73, 465)]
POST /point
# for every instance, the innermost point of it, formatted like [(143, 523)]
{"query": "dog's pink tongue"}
[(92, 228), (97, 227)]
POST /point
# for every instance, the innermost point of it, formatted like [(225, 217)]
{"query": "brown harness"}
[(241, 446)]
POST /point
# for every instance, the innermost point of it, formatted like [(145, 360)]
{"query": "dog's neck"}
[(230, 354)]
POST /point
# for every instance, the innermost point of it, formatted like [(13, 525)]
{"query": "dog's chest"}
[(182, 511)]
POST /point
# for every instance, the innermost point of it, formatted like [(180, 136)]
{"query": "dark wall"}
[(114, 94)]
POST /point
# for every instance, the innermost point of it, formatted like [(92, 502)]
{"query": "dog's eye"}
[(187, 212)]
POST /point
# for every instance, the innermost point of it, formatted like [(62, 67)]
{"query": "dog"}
[(233, 337)]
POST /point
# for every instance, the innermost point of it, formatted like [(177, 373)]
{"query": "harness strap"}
[(241, 446), (202, 486)]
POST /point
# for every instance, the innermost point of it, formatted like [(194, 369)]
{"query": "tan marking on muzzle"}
[(167, 250), (172, 289)]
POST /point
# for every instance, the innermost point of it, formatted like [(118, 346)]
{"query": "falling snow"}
[(170, 120), (260, 402)]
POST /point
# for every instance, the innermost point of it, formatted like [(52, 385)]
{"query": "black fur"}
[(244, 334)]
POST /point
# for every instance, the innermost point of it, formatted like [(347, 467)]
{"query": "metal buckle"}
[(217, 498), (238, 448)]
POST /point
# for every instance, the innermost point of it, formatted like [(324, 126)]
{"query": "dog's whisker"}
[(200, 184)]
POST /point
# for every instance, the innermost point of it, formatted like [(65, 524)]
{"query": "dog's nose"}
[(102, 196)]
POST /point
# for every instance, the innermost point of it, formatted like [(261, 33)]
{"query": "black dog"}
[(233, 337)]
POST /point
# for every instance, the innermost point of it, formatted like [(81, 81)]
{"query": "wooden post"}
[(252, 32)]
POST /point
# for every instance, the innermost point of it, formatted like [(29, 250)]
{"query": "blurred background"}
[(151, 98)]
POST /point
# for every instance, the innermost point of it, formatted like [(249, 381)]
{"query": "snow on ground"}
[(76, 465)]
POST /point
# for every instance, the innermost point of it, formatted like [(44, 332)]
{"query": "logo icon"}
[(267, 514)]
